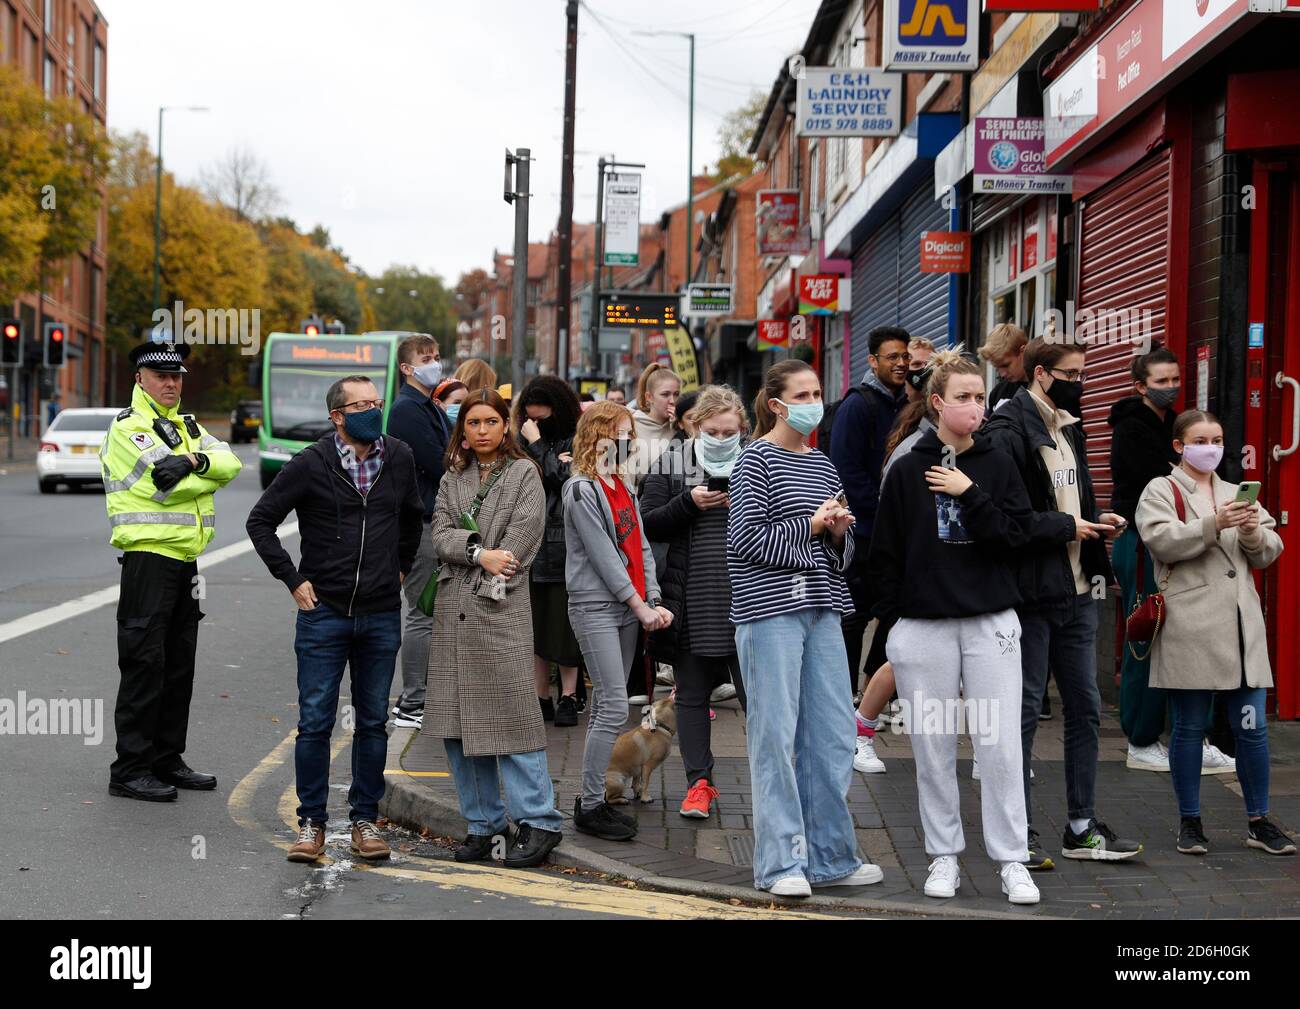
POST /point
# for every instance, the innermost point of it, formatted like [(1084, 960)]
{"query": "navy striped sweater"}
[(775, 564)]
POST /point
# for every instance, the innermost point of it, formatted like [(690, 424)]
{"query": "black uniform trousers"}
[(157, 634)]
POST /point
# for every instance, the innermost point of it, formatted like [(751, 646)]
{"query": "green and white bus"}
[(297, 370)]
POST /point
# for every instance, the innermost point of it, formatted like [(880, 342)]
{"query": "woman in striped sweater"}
[(787, 551)]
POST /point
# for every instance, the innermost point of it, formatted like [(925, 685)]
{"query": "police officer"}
[(160, 471)]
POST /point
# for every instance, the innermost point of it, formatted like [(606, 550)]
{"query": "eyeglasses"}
[(1073, 375), (362, 405), (894, 358)]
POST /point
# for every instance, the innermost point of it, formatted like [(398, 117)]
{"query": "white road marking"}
[(84, 604)]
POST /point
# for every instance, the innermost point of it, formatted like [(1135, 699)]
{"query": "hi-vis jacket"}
[(178, 523)]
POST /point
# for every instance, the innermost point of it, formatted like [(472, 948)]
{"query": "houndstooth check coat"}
[(480, 682)]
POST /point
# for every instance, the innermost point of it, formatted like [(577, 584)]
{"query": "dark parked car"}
[(244, 420)]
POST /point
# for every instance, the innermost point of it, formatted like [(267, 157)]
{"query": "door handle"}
[(1280, 380)]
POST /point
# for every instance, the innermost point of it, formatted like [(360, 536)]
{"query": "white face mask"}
[(428, 375)]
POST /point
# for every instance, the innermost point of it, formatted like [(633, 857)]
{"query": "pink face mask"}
[(962, 418), (1205, 458)]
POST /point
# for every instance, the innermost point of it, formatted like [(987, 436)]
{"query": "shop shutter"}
[(922, 297), (875, 293), (1123, 266)]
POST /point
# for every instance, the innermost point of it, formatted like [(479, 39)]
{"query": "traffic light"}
[(11, 330), (336, 328), (312, 325), (55, 344)]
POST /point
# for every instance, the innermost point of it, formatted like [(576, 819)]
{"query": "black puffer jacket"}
[(1044, 573), (548, 565), (1141, 449)]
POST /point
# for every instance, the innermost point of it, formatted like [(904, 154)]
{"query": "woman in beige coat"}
[(1213, 637), (480, 699)]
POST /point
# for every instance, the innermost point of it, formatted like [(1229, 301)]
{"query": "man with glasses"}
[(863, 420), (360, 518), (1065, 560)]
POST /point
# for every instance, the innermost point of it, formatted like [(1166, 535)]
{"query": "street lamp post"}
[(157, 208), (690, 150)]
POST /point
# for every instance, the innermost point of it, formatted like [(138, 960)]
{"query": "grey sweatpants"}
[(607, 634), (418, 631), (936, 662)]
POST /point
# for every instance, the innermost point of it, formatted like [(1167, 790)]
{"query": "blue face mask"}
[(428, 375), (803, 417), (365, 426), (717, 455), (453, 412)]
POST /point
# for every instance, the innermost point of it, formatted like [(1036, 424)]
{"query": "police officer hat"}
[(160, 356)]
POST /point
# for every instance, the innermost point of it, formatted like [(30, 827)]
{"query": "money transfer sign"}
[(931, 34), (849, 102), (1009, 158)]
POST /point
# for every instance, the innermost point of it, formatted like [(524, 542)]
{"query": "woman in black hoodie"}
[(954, 510)]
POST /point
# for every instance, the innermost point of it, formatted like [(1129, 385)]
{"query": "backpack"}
[(828, 418)]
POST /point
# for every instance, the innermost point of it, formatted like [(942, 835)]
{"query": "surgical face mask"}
[(803, 417), (453, 412), (616, 454), (1066, 395), (962, 418), (1205, 458), (428, 375), (1164, 398), (365, 425), (717, 456)]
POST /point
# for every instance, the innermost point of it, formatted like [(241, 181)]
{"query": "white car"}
[(69, 450)]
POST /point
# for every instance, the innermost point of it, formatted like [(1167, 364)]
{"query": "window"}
[(31, 57), (99, 72), (6, 32), (49, 17), (1021, 265), (49, 77), (95, 281)]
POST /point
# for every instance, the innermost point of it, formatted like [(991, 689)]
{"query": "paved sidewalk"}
[(713, 856)]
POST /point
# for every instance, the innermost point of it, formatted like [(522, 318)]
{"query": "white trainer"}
[(790, 886), (664, 676), (723, 692), (1017, 885), (637, 699), (863, 875), (1148, 758), (1215, 761), (944, 879), (864, 757)]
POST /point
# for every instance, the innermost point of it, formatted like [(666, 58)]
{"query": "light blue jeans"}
[(800, 735), (478, 787)]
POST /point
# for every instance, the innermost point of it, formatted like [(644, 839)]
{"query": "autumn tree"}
[(735, 134), (241, 182)]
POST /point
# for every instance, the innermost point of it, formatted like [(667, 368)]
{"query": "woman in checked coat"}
[(480, 699)]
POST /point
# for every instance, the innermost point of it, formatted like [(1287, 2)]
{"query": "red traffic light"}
[(11, 332), (312, 331), (56, 335)]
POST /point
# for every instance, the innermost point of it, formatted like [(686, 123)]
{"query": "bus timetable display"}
[(329, 352), (651, 311)]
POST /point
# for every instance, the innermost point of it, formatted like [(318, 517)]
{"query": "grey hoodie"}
[(595, 568)]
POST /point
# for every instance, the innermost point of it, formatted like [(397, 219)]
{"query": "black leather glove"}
[(167, 473)]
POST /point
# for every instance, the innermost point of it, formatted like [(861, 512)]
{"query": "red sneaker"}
[(697, 801)]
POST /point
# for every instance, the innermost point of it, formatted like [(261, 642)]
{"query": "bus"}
[(297, 370)]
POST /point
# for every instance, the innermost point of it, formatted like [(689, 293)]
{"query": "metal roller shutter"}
[(875, 293), (922, 297), (1123, 267)]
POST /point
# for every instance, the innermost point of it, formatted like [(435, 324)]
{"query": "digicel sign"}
[(1042, 6), (945, 252)]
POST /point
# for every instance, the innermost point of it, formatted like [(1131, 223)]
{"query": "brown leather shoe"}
[(367, 841), (310, 844)]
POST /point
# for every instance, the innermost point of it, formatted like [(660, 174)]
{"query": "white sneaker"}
[(891, 716), (944, 879), (638, 699), (1017, 885), (664, 676), (723, 692), (790, 886), (1215, 761), (864, 757), (863, 875), (1148, 758), (408, 720)]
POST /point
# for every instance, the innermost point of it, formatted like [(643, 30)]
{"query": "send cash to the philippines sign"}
[(931, 34), (1009, 158), (849, 102)]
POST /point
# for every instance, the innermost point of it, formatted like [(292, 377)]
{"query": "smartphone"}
[(719, 483), (843, 499), (1248, 492)]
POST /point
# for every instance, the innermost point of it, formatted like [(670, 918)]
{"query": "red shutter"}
[(1123, 266)]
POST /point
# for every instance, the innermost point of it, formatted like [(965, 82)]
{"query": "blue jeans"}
[(800, 734), (1191, 711), (326, 642), (478, 787), (1064, 638)]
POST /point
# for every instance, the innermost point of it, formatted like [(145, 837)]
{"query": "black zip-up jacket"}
[(1141, 450), (959, 563), (353, 548), (424, 428), (1044, 572), (548, 565)]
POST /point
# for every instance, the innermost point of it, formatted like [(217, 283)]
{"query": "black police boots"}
[(145, 787)]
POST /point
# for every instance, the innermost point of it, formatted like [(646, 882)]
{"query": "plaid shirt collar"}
[(361, 471)]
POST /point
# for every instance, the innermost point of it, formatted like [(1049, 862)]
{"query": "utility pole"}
[(157, 206), (563, 288), (690, 151), (519, 324)]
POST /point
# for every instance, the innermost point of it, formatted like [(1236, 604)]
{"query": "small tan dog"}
[(638, 752)]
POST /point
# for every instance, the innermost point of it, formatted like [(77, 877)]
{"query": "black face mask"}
[(548, 429), (1066, 395), (917, 379)]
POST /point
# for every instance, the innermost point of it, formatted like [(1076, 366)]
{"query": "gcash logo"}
[(919, 19)]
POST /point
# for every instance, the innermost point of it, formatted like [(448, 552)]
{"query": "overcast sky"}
[(386, 120)]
